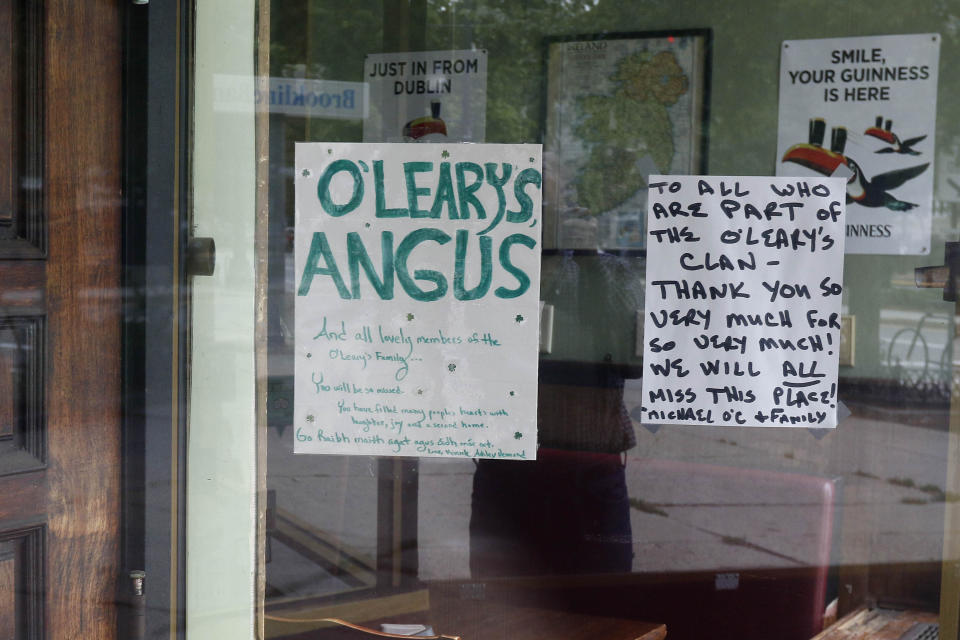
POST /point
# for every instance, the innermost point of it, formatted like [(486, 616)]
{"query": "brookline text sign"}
[(302, 97), (417, 275), (742, 317)]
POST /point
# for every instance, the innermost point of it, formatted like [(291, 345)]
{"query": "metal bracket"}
[(137, 622), (945, 276)]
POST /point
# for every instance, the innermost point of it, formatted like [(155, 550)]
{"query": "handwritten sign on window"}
[(417, 277), (743, 294)]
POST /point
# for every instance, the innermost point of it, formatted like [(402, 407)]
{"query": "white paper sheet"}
[(742, 311), (417, 274), (870, 103)]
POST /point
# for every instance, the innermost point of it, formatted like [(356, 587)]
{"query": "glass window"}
[(620, 528)]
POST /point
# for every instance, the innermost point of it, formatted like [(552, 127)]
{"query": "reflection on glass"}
[(623, 521), (321, 531)]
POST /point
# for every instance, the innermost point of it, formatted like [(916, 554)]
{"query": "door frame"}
[(158, 40)]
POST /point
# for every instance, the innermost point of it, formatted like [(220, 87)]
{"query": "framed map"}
[(619, 107)]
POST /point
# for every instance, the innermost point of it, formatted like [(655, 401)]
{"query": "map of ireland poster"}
[(619, 107)]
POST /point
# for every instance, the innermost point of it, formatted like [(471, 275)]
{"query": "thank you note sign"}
[(742, 322), (418, 277)]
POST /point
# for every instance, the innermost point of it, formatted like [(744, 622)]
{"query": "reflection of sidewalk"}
[(890, 499), (694, 516), (317, 546), (324, 535)]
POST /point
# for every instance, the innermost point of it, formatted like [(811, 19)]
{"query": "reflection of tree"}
[(512, 33), (330, 39), (326, 37)]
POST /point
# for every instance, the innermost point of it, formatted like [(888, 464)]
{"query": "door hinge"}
[(137, 603)]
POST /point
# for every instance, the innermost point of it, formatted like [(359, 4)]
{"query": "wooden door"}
[(60, 292)]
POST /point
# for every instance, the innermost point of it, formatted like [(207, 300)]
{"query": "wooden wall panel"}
[(21, 584), (83, 196), (9, 356), (22, 229), (60, 318), (23, 427), (8, 593), (8, 111)]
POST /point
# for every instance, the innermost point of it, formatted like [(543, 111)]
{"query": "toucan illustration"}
[(873, 192), (886, 134), (432, 124)]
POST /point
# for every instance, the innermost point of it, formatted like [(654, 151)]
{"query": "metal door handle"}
[(201, 256)]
